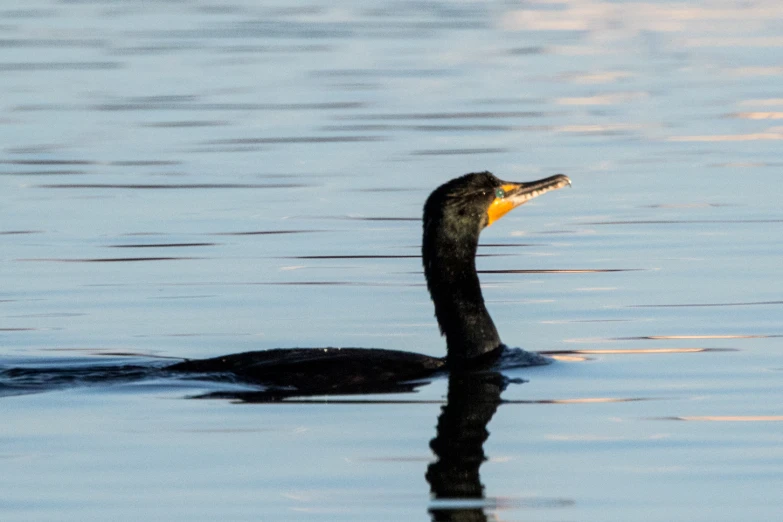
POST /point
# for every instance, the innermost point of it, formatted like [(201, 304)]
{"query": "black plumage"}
[(454, 216)]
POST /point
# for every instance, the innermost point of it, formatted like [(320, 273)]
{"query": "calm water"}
[(187, 179)]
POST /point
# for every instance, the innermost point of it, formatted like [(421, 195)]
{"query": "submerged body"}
[(454, 216), (322, 370)]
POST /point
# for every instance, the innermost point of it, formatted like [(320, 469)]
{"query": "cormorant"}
[(454, 216)]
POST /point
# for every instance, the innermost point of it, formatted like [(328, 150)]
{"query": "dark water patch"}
[(169, 186), (236, 149), (295, 139), (610, 130), (415, 10), (510, 101), (103, 352), (252, 29), (386, 189), (380, 73), (477, 115), (690, 205), (581, 400), (380, 218), (418, 128), (393, 459), (37, 379), (58, 66), (297, 175), (366, 218), (163, 98), (194, 334), (724, 418), (47, 162), (50, 314), (186, 103), (320, 283), (152, 49), (185, 124), (144, 163), (365, 284), (373, 256), (586, 355), (256, 49), (229, 430), (44, 173), (267, 398), (47, 107), (457, 152), (356, 86), (507, 245), (667, 337), (163, 245), (177, 297), (561, 271), (277, 397), (353, 257), (749, 164), (28, 43), (635, 351), (526, 51), (695, 305), (683, 221), (43, 148), (550, 232), (27, 13), (375, 127), (71, 163), (462, 128), (566, 321), (63, 107), (265, 232), (446, 509), (107, 259)]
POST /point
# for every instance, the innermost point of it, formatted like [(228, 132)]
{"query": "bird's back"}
[(319, 369)]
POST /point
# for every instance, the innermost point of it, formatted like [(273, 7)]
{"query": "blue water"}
[(189, 179)]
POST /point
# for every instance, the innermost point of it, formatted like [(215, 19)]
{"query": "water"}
[(192, 179)]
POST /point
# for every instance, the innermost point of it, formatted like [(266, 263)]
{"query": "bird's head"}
[(454, 216), (475, 201)]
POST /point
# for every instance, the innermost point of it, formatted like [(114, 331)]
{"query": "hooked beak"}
[(515, 194)]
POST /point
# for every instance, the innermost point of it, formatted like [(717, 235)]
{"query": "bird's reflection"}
[(454, 479), (458, 445)]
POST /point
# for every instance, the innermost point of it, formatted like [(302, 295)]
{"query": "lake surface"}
[(190, 179)]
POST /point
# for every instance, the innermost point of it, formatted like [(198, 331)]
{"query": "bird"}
[(454, 215)]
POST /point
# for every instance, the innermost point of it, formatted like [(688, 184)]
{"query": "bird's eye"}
[(500, 193)]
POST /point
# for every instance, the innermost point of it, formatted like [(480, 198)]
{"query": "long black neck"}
[(449, 256)]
